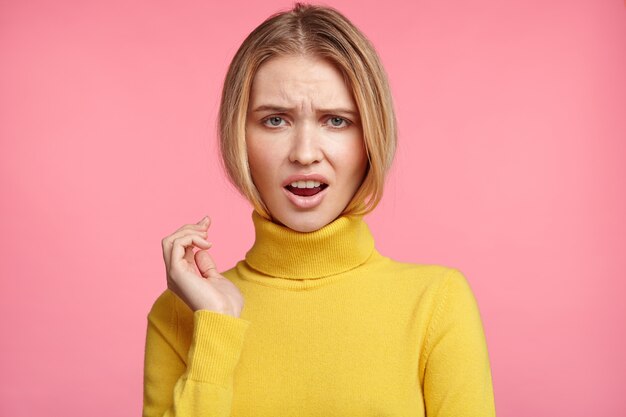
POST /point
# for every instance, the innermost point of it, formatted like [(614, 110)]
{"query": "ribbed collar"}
[(281, 252)]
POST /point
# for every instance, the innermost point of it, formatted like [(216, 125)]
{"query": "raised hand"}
[(205, 291)]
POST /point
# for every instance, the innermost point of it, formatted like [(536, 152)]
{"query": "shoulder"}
[(430, 284), (455, 306), (445, 278), (430, 275), (445, 283), (454, 285)]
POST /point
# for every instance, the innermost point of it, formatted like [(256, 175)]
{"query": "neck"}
[(337, 247)]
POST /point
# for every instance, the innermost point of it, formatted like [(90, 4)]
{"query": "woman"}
[(314, 321)]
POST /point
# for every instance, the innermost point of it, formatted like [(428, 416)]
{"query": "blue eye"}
[(339, 120), (274, 121)]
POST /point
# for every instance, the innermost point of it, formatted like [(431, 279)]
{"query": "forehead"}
[(300, 80)]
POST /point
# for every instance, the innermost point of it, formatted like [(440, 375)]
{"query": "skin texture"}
[(306, 135)]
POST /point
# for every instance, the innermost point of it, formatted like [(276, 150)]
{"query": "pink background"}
[(511, 167)]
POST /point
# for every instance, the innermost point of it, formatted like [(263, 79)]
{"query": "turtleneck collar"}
[(337, 247)]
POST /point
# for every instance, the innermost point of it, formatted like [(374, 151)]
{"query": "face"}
[(304, 141)]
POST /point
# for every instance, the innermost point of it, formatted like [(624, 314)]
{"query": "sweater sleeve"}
[(198, 381), (457, 375)]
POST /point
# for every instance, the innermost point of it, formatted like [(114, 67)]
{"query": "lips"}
[(306, 192)]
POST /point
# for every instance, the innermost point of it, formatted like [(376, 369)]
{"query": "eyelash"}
[(348, 122)]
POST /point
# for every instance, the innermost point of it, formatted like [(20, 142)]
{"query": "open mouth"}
[(306, 188)]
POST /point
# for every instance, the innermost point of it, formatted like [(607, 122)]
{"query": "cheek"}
[(360, 169), (262, 165), (255, 161), (352, 158)]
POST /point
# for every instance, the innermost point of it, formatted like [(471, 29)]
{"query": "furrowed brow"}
[(280, 109), (352, 113), (272, 108)]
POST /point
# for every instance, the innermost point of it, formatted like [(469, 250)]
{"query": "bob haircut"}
[(317, 31)]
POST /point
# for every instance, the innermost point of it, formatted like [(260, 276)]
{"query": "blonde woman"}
[(314, 321)]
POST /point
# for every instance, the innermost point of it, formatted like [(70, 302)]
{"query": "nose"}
[(305, 146)]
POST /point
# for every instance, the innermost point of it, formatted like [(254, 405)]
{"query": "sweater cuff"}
[(215, 347)]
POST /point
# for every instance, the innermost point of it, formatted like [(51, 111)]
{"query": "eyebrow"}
[(280, 109)]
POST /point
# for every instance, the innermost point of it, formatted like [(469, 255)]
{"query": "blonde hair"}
[(323, 32)]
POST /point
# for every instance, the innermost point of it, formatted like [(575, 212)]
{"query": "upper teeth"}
[(305, 184)]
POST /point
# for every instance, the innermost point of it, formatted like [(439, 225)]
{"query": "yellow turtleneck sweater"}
[(330, 327)]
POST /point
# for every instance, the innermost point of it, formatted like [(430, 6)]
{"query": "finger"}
[(189, 254), (179, 245), (201, 225), (205, 264), (195, 226), (191, 227), (199, 228), (168, 241), (205, 221)]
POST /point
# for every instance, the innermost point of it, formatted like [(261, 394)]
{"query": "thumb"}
[(205, 264)]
